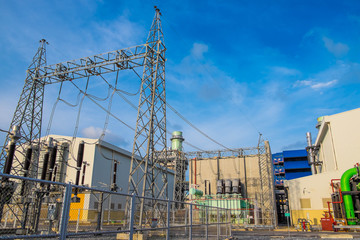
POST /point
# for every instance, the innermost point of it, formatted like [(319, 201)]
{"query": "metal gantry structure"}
[(148, 174), (266, 178), (180, 166), (178, 163)]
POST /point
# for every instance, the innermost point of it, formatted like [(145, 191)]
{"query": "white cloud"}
[(198, 50), (315, 85), (93, 132), (338, 49), (96, 132)]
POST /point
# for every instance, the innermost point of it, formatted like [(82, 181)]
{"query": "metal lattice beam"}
[(224, 153), (127, 58)]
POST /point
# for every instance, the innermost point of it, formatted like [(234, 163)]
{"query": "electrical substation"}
[(151, 190)]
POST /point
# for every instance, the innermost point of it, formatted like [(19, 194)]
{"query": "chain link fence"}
[(38, 209)]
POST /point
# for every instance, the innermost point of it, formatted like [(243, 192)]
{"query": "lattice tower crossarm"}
[(28, 113), (148, 173), (127, 58)]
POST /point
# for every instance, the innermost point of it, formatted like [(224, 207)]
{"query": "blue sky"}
[(234, 68)]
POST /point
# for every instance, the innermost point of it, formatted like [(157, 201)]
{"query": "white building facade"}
[(97, 171), (338, 150)]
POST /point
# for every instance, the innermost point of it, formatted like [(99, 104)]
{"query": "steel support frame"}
[(263, 153), (267, 195), (148, 173), (151, 110)]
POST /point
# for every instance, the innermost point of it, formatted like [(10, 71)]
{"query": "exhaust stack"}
[(310, 153)]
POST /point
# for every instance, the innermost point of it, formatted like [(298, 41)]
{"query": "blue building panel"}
[(290, 165), (295, 153), (293, 175), (296, 164)]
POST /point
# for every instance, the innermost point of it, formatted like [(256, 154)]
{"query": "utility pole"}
[(148, 172)]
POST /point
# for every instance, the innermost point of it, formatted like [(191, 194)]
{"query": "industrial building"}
[(241, 180), (104, 166), (333, 156), (288, 165)]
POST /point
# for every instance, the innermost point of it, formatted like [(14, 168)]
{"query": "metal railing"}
[(38, 209)]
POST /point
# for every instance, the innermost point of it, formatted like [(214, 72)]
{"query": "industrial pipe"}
[(55, 171), (348, 202), (26, 169), (83, 174), (10, 158), (14, 136), (177, 140), (45, 166), (79, 162), (52, 162), (310, 154), (80, 158), (27, 161)]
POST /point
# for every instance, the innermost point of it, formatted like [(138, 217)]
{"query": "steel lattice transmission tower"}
[(28, 114), (148, 171), (266, 183)]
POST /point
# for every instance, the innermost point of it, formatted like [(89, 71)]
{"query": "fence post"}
[(218, 223), (207, 222), (230, 222), (190, 221), (77, 222), (100, 211), (65, 212), (132, 212), (186, 219), (168, 220)]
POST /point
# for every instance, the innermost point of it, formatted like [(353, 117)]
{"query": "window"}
[(119, 205), (324, 201), (112, 206), (96, 205), (305, 203)]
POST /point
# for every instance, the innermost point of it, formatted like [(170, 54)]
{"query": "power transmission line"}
[(193, 126)]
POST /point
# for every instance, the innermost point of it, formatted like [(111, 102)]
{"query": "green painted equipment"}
[(176, 141), (241, 209), (196, 192), (348, 202)]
